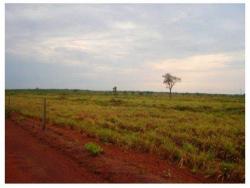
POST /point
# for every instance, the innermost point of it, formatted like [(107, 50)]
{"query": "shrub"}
[(93, 148)]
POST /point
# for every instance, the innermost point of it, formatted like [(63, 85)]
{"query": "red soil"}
[(57, 155)]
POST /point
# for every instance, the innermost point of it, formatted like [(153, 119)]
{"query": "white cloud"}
[(200, 73), (131, 45), (128, 25), (198, 63)]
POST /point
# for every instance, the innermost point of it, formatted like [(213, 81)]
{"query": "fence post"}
[(44, 114)]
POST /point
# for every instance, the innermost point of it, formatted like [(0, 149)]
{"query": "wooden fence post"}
[(44, 114)]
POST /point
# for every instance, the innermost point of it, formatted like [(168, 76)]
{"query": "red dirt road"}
[(28, 160), (57, 156)]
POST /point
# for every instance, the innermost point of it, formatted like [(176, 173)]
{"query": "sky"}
[(99, 46)]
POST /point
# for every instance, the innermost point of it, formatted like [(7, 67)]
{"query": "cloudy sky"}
[(131, 46)]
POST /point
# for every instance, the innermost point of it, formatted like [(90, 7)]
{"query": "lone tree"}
[(170, 81), (114, 89)]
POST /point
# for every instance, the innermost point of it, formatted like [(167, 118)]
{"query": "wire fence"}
[(34, 105)]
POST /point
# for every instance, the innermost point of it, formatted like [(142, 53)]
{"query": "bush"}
[(93, 148)]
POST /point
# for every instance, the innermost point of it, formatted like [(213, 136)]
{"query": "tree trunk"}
[(170, 93)]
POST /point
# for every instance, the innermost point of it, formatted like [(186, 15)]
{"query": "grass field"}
[(205, 133)]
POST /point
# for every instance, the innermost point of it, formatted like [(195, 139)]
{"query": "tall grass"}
[(205, 133)]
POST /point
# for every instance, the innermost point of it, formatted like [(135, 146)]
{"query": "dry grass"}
[(205, 133)]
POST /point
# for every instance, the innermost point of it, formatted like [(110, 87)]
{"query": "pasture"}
[(204, 133)]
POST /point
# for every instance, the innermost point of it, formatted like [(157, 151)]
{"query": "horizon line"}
[(139, 91)]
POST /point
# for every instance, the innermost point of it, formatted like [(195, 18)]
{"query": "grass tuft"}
[(93, 149)]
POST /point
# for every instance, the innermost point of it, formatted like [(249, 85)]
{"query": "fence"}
[(43, 106)]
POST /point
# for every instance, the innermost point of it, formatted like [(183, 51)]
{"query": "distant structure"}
[(170, 81), (114, 90)]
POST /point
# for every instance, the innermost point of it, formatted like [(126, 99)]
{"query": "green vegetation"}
[(7, 112), (205, 133), (93, 148)]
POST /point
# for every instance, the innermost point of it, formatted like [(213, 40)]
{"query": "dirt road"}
[(57, 156), (28, 160)]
